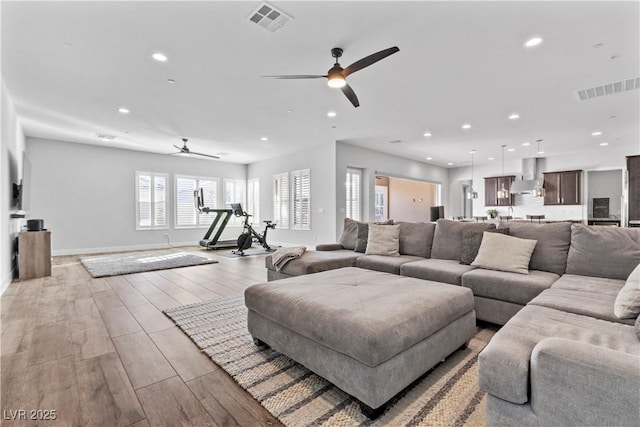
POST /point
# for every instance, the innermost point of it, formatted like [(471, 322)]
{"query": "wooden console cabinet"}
[(34, 254)]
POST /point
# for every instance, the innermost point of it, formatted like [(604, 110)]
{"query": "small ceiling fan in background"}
[(337, 75), (184, 151)]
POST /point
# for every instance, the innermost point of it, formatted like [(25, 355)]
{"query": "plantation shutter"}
[(281, 200), (253, 199), (301, 187), (209, 191), (144, 200), (151, 203), (353, 187), (159, 199), (185, 207)]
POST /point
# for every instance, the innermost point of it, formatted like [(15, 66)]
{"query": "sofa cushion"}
[(316, 261), (471, 241), (504, 253), (447, 238), (416, 238), (383, 240), (627, 303), (506, 286), (597, 285), (438, 270), (503, 366), (598, 306), (349, 234), (552, 248), (387, 264), (611, 252)]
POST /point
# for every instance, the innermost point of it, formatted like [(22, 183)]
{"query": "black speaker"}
[(437, 212)]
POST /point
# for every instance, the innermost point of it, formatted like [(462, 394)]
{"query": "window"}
[(186, 213), (353, 186), (281, 200), (151, 201), (253, 199), (301, 195), (234, 193)]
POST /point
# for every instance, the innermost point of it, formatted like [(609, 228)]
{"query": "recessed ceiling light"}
[(596, 133), (289, 111), (511, 149), (450, 164), (466, 126), (159, 57), (429, 158), (614, 57), (472, 151), (534, 41), (491, 158), (427, 134), (171, 81), (264, 138), (597, 45), (604, 144), (124, 110), (514, 116), (526, 144), (331, 114), (540, 152)]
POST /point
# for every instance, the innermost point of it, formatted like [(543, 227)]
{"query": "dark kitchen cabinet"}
[(633, 179), (494, 184), (563, 188)]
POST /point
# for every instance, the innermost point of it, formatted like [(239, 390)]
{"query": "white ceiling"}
[(69, 66)]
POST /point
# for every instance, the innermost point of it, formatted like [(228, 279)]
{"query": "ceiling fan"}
[(337, 75), (184, 150)]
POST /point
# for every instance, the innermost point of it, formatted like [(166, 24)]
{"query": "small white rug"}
[(137, 262)]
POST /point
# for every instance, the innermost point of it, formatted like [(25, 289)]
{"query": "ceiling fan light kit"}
[(337, 76)]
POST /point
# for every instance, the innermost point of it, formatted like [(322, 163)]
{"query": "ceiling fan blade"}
[(295, 76), (351, 95), (205, 155), (368, 60), (179, 148)]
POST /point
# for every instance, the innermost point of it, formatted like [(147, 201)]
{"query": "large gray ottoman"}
[(369, 333)]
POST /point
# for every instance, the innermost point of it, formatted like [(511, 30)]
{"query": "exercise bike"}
[(249, 235)]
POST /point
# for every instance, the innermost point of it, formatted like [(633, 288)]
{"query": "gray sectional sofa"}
[(562, 356)]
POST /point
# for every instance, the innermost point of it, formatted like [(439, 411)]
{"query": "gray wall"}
[(321, 162), (371, 162), (86, 194)]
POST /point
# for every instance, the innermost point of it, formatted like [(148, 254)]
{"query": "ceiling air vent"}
[(105, 137), (268, 17), (608, 89)]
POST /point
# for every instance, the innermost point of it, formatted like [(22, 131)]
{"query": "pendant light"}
[(539, 190), (503, 193), (472, 194)]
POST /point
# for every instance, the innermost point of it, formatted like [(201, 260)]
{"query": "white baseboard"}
[(82, 251)]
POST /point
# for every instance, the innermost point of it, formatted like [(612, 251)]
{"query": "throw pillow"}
[(348, 236), (362, 234), (504, 253), (627, 304), (383, 240), (361, 237), (471, 241)]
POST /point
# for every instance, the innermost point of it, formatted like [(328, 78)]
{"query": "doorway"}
[(405, 199)]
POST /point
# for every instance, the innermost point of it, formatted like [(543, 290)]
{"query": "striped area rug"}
[(448, 395)]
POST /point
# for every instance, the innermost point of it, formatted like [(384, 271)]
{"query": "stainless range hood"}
[(531, 176)]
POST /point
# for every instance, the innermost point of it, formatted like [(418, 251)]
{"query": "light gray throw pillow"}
[(627, 304), (383, 240), (504, 253)]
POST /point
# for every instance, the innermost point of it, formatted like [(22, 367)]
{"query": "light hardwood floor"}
[(100, 352)]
